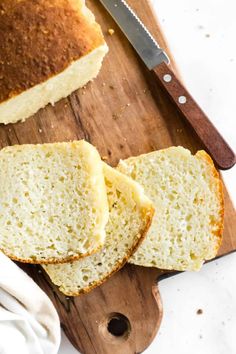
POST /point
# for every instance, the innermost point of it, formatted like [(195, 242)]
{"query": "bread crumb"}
[(199, 312), (40, 130), (111, 31), (44, 31), (104, 158), (115, 116)]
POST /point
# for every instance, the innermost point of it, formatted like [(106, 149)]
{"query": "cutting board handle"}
[(122, 316), (214, 143)]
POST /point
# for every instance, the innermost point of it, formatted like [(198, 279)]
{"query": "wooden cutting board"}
[(123, 113)]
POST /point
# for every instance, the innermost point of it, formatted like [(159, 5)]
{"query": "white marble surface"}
[(201, 35)]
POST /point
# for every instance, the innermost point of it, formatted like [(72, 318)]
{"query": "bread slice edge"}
[(148, 212)]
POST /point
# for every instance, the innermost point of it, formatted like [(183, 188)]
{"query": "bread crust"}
[(149, 215), (218, 232), (52, 260), (41, 38)]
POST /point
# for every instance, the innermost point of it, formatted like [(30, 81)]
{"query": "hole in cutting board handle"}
[(119, 325), (115, 328)]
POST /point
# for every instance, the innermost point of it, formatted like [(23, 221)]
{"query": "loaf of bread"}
[(53, 202), (129, 219), (49, 48), (187, 195)]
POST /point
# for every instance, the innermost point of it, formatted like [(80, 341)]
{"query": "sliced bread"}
[(187, 194), (49, 48), (53, 202), (129, 219)]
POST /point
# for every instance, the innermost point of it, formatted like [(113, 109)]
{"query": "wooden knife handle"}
[(217, 147)]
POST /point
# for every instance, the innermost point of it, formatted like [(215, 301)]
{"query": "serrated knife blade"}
[(138, 35), (156, 60)]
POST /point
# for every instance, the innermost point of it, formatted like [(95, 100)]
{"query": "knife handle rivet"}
[(182, 99), (167, 78)]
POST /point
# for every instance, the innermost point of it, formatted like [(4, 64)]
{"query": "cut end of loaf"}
[(69, 53), (187, 193)]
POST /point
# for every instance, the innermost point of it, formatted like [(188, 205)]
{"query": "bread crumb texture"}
[(111, 31), (53, 203), (187, 194), (41, 38), (130, 216)]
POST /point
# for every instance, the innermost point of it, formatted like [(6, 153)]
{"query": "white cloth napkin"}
[(29, 323)]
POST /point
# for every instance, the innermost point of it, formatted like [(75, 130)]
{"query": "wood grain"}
[(123, 112)]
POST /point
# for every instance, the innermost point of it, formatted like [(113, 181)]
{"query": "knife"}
[(157, 61)]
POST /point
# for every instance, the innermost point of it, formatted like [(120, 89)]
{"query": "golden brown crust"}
[(137, 243), (52, 260), (39, 39), (218, 233)]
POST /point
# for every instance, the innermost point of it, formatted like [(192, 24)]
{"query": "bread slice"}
[(53, 202), (187, 195), (49, 48), (130, 216)]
